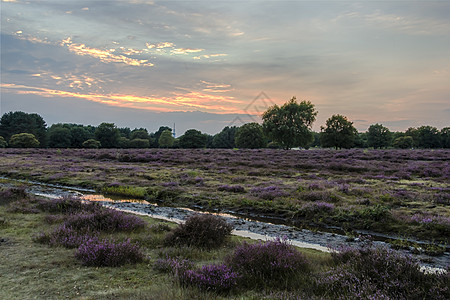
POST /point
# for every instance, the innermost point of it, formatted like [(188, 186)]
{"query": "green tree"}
[(445, 137), (225, 138), (166, 139), (108, 135), (59, 137), (378, 136), (141, 133), (3, 143), (192, 138), (290, 125), (403, 142), (428, 137), (251, 136), (155, 136), (79, 134), (92, 144), (139, 143), (23, 140), (123, 142), (338, 133), (20, 122), (414, 134)]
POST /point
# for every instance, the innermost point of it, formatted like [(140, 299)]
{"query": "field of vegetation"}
[(397, 192), (64, 248)]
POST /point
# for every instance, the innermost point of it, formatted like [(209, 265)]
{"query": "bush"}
[(105, 253), (67, 205), (12, 194), (91, 144), (200, 230), (216, 278), (23, 140), (232, 188), (173, 265), (380, 273), (62, 236), (275, 263), (106, 220)]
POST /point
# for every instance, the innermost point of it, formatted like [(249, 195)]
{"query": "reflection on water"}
[(98, 197)]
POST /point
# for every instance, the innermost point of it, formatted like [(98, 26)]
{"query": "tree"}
[(157, 134), (23, 140), (251, 136), (403, 142), (445, 137), (20, 122), (3, 143), (141, 133), (166, 139), (378, 136), (290, 125), (59, 137), (79, 134), (414, 134), (428, 137), (192, 138), (139, 143), (225, 138), (123, 142), (92, 144), (339, 133), (108, 135)]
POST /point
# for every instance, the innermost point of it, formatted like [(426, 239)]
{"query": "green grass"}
[(30, 270)]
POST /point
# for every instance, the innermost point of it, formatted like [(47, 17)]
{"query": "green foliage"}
[(290, 125), (338, 133), (3, 143), (141, 133), (378, 136), (123, 142), (192, 139), (251, 136), (13, 123), (108, 135), (126, 191), (155, 136), (403, 142), (445, 137), (91, 144), (59, 137), (166, 139), (139, 143), (428, 137), (225, 139), (23, 140)]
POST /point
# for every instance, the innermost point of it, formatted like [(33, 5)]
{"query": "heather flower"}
[(216, 278), (232, 188), (268, 193)]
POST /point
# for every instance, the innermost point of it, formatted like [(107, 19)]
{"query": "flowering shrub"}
[(274, 263), (105, 253), (173, 265), (380, 273), (66, 205), (200, 230), (62, 236), (107, 220), (316, 208), (268, 192), (232, 188), (217, 278)]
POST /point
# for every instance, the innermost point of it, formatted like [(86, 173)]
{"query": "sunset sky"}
[(209, 64)]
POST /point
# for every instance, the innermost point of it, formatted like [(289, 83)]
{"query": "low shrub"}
[(62, 236), (8, 195), (232, 188), (106, 253), (215, 278), (67, 205), (173, 265), (200, 230), (268, 193), (275, 264), (379, 273), (106, 220)]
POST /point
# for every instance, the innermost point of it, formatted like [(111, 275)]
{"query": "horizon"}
[(208, 65)]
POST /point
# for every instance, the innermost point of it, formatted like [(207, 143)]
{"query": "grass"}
[(33, 270)]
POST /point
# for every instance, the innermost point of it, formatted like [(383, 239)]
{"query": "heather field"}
[(66, 248), (404, 193)]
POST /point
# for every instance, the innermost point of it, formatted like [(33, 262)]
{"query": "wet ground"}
[(322, 241)]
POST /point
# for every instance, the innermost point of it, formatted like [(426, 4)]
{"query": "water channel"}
[(245, 227)]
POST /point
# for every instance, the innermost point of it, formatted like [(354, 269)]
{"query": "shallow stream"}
[(254, 229)]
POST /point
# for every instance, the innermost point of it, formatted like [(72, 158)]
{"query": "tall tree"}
[(225, 138), (445, 137), (59, 137), (251, 136), (166, 139), (192, 138), (155, 136), (23, 140), (20, 122), (378, 136), (290, 125), (108, 135), (338, 133), (428, 137)]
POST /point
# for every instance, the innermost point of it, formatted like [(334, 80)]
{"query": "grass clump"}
[(200, 230)]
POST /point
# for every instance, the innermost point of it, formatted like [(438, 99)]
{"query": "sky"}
[(211, 64)]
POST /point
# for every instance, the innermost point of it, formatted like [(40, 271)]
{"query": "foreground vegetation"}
[(399, 192), (65, 248)]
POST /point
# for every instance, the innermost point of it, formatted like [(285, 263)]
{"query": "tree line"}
[(287, 126)]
